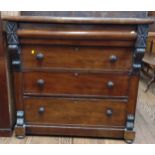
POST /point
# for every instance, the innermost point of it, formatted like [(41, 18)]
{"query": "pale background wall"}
[(11, 13)]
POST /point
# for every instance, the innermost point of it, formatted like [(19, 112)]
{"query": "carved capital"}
[(140, 46), (13, 44), (142, 33), (11, 28)]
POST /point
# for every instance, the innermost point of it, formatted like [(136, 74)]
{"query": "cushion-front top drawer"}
[(75, 83), (80, 57), (58, 111)]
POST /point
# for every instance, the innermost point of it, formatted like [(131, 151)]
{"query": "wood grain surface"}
[(144, 125), (78, 20), (74, 111), (76, 84), (81, 57)]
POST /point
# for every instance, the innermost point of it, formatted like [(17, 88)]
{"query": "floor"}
[(144, 125)]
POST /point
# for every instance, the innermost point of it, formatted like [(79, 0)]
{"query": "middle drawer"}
[(76, 84), (77, 57)]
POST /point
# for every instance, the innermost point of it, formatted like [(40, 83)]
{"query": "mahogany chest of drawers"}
[(76, 76)]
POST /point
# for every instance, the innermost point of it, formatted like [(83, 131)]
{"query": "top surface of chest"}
[(75, 31)]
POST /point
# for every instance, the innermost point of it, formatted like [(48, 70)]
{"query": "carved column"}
[(138, 53), (14, 53)]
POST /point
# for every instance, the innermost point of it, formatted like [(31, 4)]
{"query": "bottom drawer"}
[(69, 111)]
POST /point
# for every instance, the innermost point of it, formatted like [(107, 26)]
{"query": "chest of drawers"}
[(76, 76)]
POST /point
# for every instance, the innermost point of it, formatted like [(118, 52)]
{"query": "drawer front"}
[(79, 84), (68, 57), (75, 111)]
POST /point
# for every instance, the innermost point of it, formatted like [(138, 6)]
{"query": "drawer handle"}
[(41, 110), (40, 56), (75, 101), (76, 74), (76, 49), (109, 112), (40, 82), (113, 58), (110, 84)]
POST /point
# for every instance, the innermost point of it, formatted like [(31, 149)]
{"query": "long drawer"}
[(76, 57), (72, 111), (75, 83)]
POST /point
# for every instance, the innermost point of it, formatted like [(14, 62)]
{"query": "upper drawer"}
[(76, 57), (76, 84)]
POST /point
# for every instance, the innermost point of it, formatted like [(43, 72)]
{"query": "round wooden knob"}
[(40, 82), (110, 84), (41, 110), (113, 58), (76, 74), (76, 49), (40, 56), (109, 112)]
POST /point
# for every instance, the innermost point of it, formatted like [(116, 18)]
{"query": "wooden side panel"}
[(6, 100), (18, 89), (133, 91)]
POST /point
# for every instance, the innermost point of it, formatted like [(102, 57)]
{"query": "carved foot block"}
[(129, 136), (20, 131)]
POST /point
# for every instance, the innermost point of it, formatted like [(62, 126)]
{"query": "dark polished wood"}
[(76, 76), (6, 100), (80, 131), (74, 42), (77, 34)]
